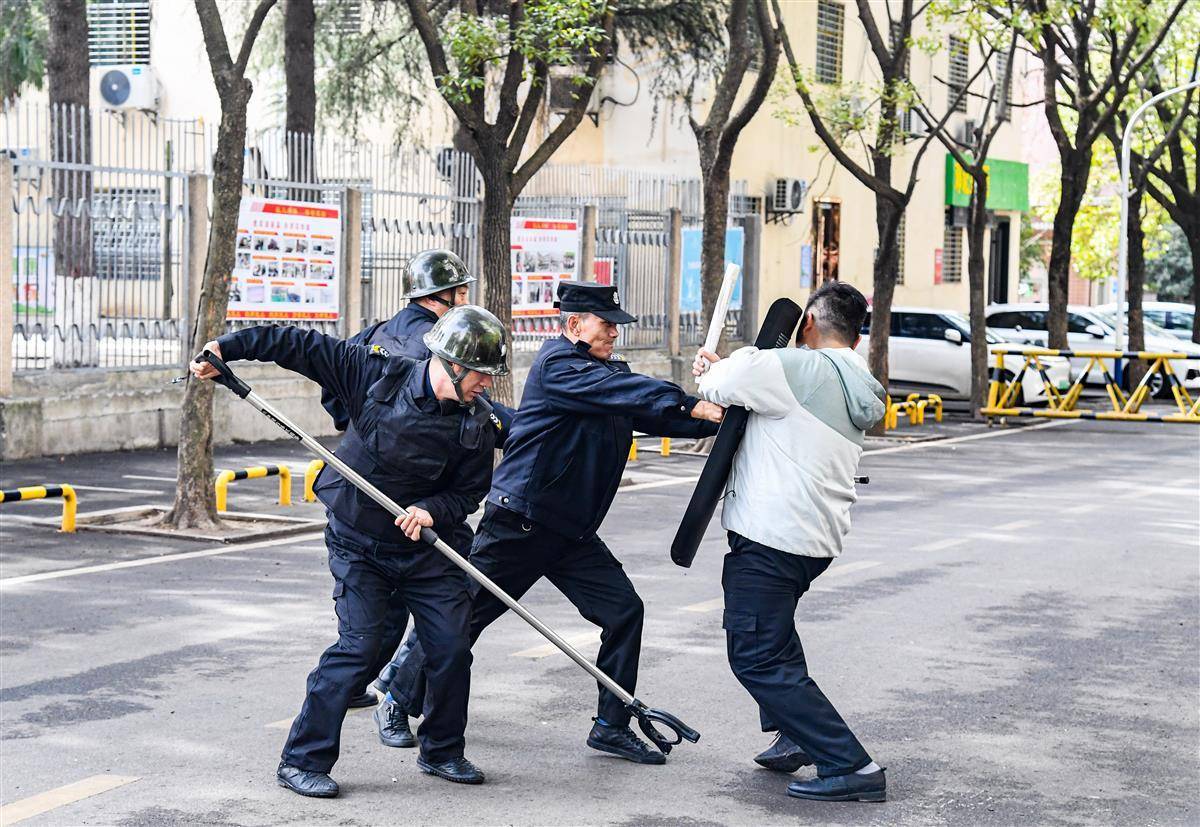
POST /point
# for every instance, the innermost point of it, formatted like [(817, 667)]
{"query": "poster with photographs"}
[(544, 252), (286, 261)]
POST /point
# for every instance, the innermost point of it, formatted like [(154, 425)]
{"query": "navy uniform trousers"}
[(516, 552), (762, 588), (370, 578)]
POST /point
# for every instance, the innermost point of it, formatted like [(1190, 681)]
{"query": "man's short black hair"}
[(838, 309)]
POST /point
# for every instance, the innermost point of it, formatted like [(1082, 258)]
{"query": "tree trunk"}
[(496, 279), (883, 288), (195, 503), (977, 290), (1136, 286), (1192, 232), (1073, 182), (299, 67), (714, 169), (68, 85)]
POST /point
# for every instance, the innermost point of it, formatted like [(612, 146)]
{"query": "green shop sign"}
[(1008, 185)]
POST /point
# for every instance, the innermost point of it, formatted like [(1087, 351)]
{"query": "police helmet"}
[(434, 271), (472, 338)]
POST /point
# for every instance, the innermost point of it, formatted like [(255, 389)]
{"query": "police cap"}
[(586, 297)]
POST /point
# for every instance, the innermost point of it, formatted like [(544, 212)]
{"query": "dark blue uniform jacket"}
[(404, 335), (416, 449), (567, 450)]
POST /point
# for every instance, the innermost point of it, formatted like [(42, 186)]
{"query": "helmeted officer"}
[(562, 465), (434, 281), (422, 435)]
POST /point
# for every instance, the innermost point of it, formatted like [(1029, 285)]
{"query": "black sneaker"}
[(364, 699), (852, 787), (783, 755), (621, 741), (304, 782), (459, 770), (392, 722)]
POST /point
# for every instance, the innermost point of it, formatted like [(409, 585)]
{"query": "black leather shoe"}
[(459, 770), (364, 700), (621, 741), (852, 787), (783, 755), (392, 723), (303, 782)]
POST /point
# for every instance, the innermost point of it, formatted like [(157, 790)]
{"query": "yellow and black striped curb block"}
[(42, 492), (255, 473)]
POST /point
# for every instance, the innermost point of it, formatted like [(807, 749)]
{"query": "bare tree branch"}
[(251, 34)]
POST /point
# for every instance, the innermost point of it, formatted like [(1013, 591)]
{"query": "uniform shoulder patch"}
[(381, 351), (616, 357)]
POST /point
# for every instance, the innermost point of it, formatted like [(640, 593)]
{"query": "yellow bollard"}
[(257, 472), (310, 479), (41, 492), (665, 449), (633, 451)]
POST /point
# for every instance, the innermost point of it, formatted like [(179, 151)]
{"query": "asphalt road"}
[(1013, 632)]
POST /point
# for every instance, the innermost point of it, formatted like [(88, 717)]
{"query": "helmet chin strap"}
[(438, 297), (455, 377)]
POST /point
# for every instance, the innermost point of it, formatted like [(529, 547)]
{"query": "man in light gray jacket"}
[(787, 508)]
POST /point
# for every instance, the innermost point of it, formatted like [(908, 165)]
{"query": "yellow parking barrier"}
[(310, 478), (913, 407), (42, 492), (664, 447), (257, 472), (1003, 394)]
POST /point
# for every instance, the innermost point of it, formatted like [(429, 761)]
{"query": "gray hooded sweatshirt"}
[(792, 483)]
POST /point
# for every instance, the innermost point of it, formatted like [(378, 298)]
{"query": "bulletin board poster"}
[(689, 290), (286, 261), (545, 251)]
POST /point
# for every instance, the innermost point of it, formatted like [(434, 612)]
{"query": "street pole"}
[(1123, 241)]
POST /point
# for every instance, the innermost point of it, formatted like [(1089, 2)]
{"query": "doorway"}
[(827, 234), (998, 262)]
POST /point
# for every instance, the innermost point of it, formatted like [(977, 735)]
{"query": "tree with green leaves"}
[(195, 503), (23, 35), (844, 122), (1092, 53)]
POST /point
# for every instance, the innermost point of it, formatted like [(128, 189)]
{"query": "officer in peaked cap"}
[(562, 464), (434, 281), (422, 436)]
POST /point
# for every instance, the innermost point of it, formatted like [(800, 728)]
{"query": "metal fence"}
[(101, 226)]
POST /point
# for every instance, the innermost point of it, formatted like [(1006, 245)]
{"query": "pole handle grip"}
[(227, 377)]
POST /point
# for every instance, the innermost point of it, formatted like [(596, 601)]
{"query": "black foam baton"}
[(647, 718)]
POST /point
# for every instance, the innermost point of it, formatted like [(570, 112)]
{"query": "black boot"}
[(364, 699), (852, 787), (392, 722), (459, 770), (621, 741), (303, 782), (783, 755)]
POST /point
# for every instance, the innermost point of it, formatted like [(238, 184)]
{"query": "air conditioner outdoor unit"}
[(967, 136), (917, 125), (787, 197), (127, 87)]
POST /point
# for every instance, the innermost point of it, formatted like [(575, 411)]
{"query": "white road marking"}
[(706, 606), (939, 545), (996, 538), (151, 561), (61, 796), (657, 484), (1016, 525), (286, 723), (1085, 508), (116, 490), (152, 479), (587, 639), (848, 568)]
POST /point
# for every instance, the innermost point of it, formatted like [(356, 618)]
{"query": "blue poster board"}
[(806, 266), (689, 291)]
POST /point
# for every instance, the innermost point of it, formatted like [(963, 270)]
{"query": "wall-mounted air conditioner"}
[(787, 196), (126, 87)]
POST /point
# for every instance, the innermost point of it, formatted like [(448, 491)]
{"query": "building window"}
[(901, 235), (830, 22), (952, 240), (959, 72), (1003, 108), (904, 116), (343, 17), (127, 233), (119, 32)]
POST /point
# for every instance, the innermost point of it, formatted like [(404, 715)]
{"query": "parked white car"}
[(1089, 328), (1175, 318), (928, 353)]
